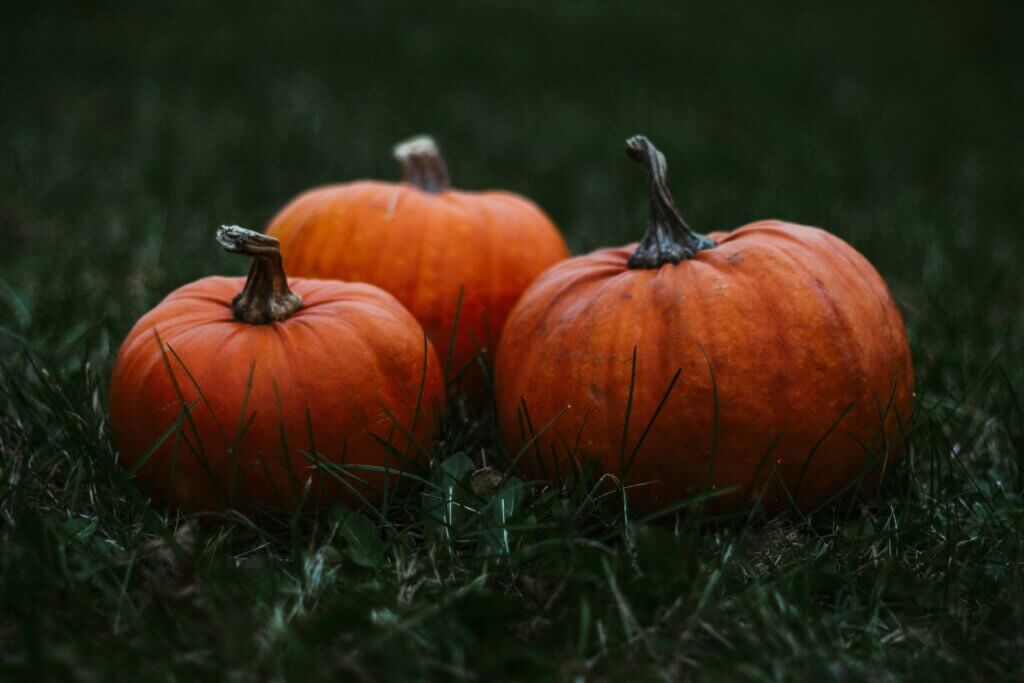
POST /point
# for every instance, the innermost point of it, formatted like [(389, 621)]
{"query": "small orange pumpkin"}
[(427, 244), (221, 397), (770, 360)]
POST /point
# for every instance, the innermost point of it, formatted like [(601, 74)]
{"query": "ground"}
[(131, 130)]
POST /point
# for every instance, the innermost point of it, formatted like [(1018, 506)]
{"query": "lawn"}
[(131, 130)]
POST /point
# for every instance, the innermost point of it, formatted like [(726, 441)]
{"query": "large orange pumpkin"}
[(427, 244), (770, 360), (236, 391)]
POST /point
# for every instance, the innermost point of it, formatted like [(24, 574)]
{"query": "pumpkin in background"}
[(233, 379), (768, 360), (426, 243)]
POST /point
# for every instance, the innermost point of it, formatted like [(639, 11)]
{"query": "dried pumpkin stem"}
[(266, 297), (668, 238), (422, 164)]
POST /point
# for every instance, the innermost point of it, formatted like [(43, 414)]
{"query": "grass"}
[(131, 131)]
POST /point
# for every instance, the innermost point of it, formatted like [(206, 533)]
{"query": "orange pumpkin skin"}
[(790, 351), (351, 351), (424, 248)]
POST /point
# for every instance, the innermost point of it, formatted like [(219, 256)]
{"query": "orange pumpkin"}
[(768, 363), (235, 392), (427, 244)]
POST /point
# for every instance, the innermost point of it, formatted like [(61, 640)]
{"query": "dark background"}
[(129, 131)]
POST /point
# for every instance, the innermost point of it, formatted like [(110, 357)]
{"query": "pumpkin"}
[(235, 392), (442, 252), (764, 365)]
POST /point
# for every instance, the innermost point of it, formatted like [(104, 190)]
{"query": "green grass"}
[(131, 131)]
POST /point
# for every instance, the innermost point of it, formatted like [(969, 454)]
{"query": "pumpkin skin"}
[(787, 328), (348, 353), (424, 243)]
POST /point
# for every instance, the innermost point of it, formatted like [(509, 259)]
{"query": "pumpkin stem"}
[(422, 164), (668, 238), (266, 297)]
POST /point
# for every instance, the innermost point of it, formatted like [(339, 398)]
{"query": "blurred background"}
[(131, 130)]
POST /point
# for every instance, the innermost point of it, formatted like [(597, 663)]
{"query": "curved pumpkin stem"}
[(668, 238), (266, 297), (422, 164)]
